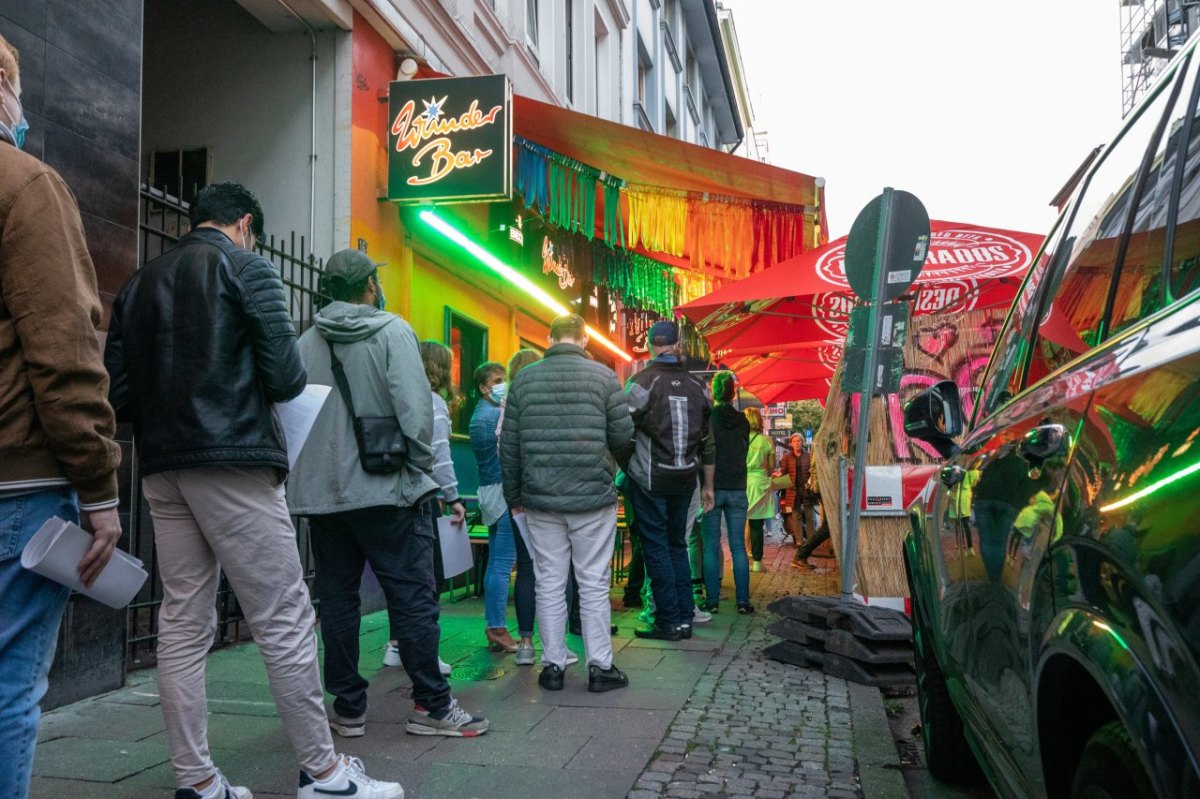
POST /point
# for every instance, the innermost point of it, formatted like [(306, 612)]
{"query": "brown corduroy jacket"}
[(56, 426)]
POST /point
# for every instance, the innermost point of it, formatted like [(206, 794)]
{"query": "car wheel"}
[(947, 753), (1110, 768)]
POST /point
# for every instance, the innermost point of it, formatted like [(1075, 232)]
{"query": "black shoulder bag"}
[(382, 448)]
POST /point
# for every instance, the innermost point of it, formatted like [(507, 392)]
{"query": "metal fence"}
[(163, 220)]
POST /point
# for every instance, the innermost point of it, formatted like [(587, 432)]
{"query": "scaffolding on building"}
[(1152, 31)]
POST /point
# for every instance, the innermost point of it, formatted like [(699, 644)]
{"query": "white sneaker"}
[(348, 779), (700, 616), (219, 788), (572, 657), (391, 657)]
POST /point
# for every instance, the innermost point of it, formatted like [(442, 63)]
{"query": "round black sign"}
[(909, 225)]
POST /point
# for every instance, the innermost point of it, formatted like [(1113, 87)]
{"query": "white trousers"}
[(584, 540)]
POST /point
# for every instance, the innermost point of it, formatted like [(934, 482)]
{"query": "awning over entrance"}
[(639, 157), (719, 215)]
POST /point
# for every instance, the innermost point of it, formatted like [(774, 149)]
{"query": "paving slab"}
[(96, 760), (708, 717)]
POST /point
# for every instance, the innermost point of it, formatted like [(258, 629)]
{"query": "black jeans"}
[(756, 538), (662, 525), (399, 544)]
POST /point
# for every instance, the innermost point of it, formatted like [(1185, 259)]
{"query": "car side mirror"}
[(935, 416)]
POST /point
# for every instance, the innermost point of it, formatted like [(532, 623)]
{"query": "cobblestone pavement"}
[(754, 727)]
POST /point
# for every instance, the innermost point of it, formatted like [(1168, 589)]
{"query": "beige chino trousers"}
[(234, 519)]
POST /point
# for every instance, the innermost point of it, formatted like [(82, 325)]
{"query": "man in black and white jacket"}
[(673, 447)]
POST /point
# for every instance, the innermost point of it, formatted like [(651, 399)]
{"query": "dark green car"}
[(1055, 570)]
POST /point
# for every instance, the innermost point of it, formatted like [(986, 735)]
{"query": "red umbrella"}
[(807, 298)]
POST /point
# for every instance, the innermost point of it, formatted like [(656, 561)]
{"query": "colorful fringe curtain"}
[(657, 221), (639, 282), (733, 234)]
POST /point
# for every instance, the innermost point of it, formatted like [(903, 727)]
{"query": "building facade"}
[(139, 106), (1151, 33)]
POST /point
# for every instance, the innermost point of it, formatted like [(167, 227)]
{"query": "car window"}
[(1070, 323), (1140, 291), (1002, 379), (1185, 256)]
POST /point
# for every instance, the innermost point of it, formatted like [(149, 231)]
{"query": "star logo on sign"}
[(433, 107)]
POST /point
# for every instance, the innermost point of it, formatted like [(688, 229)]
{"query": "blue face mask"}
[(16, 133), (380, 300), (499, 392)]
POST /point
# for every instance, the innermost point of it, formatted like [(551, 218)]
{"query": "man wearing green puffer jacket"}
[(566, 419)]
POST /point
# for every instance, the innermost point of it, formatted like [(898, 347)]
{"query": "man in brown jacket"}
[(57, 456)]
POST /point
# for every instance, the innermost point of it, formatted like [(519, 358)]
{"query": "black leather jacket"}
[(199, 346)]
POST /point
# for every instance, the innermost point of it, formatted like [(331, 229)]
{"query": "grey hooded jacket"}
[(379, 354)]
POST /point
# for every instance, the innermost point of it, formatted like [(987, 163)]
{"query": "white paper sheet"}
[(55, 550), (456, 547), (523, 528), (297, 416)]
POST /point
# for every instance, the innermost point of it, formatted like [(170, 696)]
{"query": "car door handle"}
[(1042, 442), (952, 475)]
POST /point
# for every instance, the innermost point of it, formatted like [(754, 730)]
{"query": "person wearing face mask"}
[(200, 346), (356, 517), (505, 546), (57, 456)]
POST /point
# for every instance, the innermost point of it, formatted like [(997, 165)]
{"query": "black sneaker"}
[(575, 628), (745, 608), (685, 631), (600, 680), (658, 633), (551, 678)]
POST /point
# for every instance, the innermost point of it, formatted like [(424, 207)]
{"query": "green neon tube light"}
[(512, 276), (1150, 489)]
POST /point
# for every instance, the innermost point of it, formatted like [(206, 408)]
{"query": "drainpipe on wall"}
[(312, 155)]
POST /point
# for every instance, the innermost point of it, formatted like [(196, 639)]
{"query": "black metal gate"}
[(164, 219)]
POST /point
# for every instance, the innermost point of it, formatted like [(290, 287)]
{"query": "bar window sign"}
[(450, 140)]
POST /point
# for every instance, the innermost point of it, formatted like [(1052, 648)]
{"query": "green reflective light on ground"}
[(511, 275), (1150, 489)]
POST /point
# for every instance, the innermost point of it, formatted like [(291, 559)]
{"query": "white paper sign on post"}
[(456, 547), (296, 417)]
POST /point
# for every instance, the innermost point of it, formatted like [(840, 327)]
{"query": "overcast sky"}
[(982, 110)]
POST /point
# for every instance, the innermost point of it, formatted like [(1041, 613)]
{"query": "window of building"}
[(180, 173), (601, 70), (671, 128), (531, 22), (569, 46), (468, 343)]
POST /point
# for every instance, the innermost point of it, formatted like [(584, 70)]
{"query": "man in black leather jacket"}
[(200, 346)]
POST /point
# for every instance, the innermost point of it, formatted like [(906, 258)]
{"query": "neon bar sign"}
[(457, 147)]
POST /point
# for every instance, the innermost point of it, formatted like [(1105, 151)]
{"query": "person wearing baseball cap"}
[(385, 519), (673, 449)]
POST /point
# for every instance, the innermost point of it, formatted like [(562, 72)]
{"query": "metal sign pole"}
[(883, 255)]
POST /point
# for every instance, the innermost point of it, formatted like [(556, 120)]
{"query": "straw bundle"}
[(939, 347)]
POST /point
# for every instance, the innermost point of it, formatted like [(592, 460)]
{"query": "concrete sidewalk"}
[(704, 717)]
